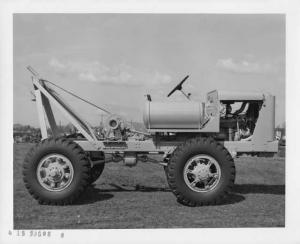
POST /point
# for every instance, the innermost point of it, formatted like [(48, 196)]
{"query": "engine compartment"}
[(225, 116), (238, 120)]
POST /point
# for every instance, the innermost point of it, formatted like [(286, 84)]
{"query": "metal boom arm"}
[(44, 95)]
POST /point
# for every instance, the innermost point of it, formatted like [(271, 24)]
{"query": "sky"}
[(113, 60)]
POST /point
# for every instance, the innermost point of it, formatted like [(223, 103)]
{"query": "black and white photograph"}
[(149, 121), (186, 112)]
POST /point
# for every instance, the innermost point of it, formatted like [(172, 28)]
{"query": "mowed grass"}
[(139, 197)]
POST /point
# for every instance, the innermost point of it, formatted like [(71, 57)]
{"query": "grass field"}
[(139, 197)]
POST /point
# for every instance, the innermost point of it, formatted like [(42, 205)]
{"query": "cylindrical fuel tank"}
[(173, 115)]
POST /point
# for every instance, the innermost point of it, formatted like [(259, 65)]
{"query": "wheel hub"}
[(55, 172), (202, 173)]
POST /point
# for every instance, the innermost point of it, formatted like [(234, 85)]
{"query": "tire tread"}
[(76, 150), (171, 174)]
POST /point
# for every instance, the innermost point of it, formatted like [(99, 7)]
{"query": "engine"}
[(239, 124)]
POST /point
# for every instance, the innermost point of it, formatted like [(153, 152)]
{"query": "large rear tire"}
[(56, 171), (201, 172)]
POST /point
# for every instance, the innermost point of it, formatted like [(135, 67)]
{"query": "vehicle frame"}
[(197, 159)]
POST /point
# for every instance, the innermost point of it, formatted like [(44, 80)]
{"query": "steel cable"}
[(78, 97)]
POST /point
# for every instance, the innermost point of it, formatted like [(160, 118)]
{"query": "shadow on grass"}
[(136, 188), (259, 189), (231, 198), (237, 188), (92, 195)]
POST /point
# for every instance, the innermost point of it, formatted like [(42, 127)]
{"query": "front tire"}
[(201, 172), (56, 171)]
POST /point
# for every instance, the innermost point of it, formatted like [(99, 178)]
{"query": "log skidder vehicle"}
[(197, 140)]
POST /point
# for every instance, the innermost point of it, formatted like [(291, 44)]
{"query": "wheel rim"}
[(55, 172), (202, 173)]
